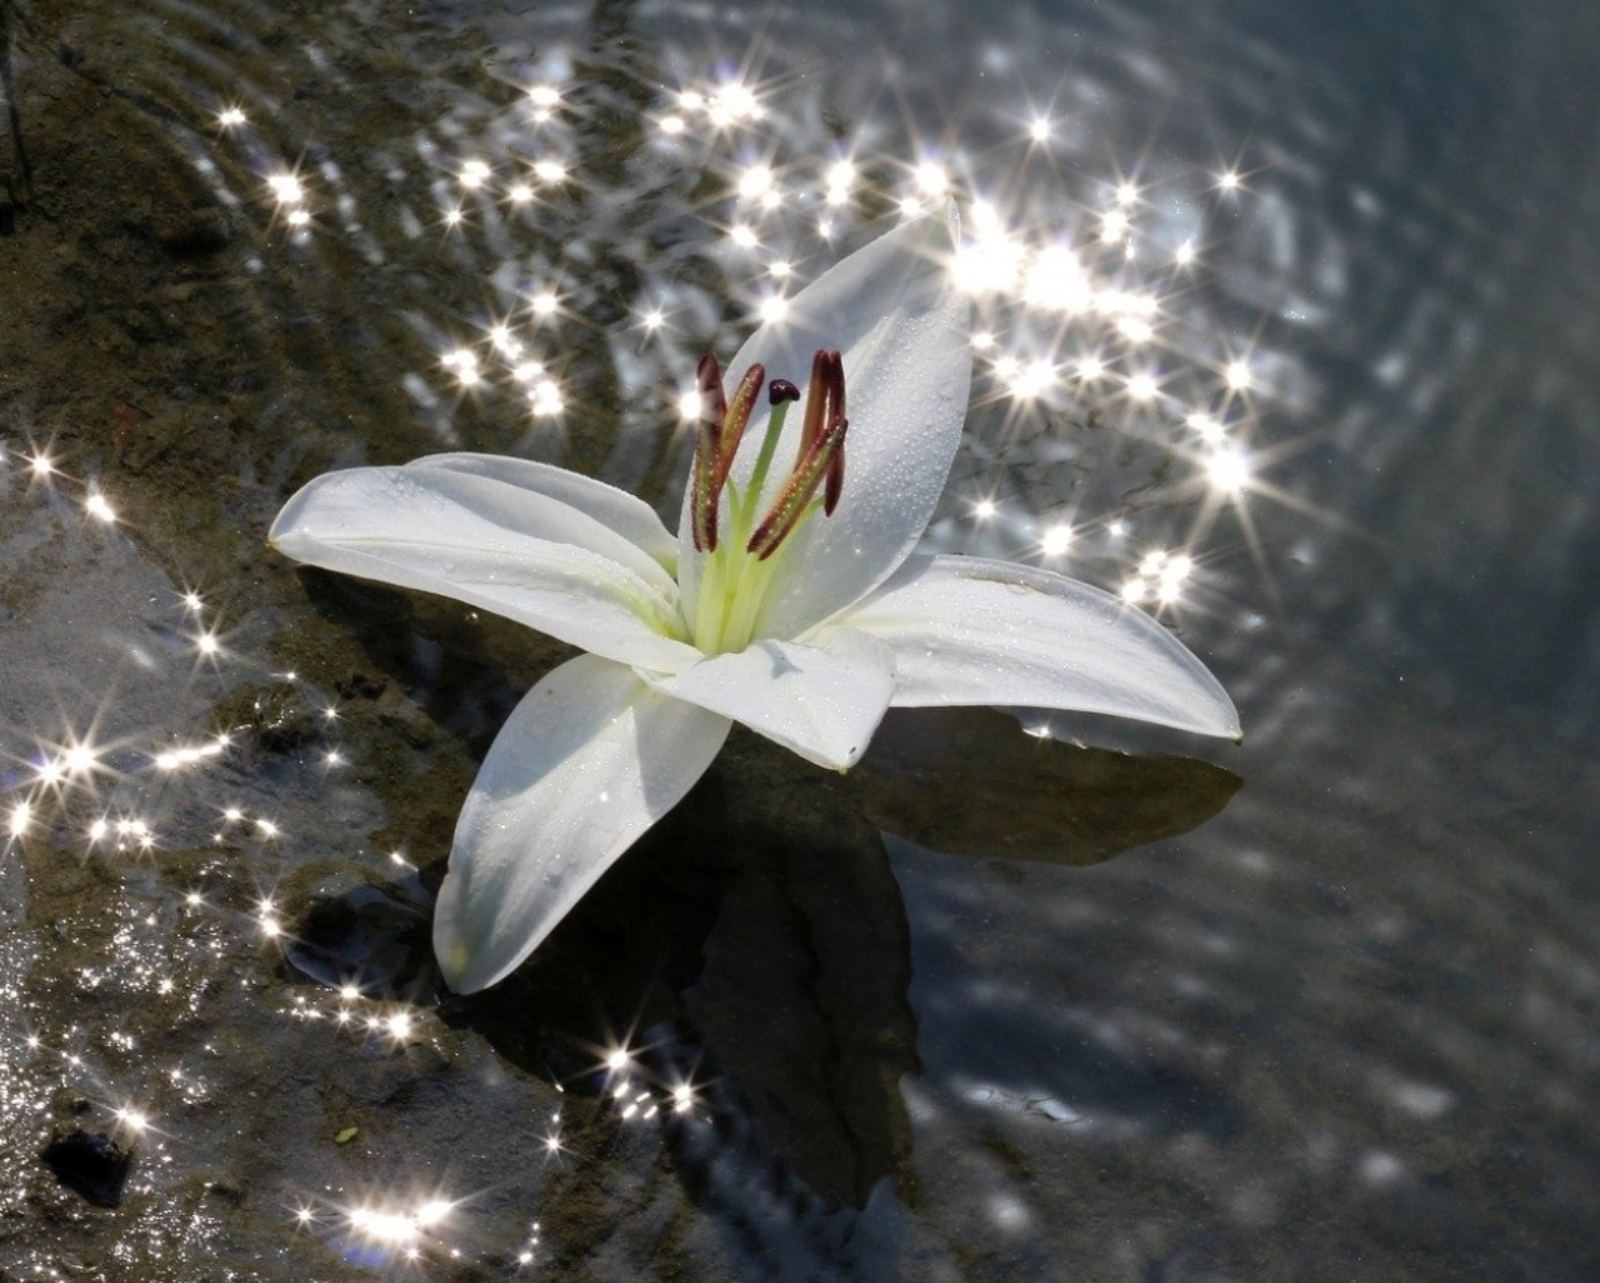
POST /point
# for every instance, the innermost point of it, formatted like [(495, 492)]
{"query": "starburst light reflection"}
[(1056, 540), (1228, 468), (287, 188)]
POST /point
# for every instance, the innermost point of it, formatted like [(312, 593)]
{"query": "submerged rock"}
[(366, 936), (91, 1163)]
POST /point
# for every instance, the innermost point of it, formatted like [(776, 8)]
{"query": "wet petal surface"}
[(590, 759), (966, 630), (519, 554)]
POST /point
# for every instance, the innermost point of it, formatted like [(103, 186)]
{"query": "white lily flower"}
[(804, 615)]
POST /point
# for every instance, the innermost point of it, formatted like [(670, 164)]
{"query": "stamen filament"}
[(746, 600), (753, 591), (709, 605)]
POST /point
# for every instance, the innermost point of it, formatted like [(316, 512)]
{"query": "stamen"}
[(816, 400), (834, 486), (736, 580), (707, 454), (790, 506), (736, 420), (708, 374), (821, 460)]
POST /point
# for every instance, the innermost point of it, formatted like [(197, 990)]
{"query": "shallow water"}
[(992, 1006)]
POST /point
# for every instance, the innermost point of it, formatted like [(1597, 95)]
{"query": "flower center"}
[(740, 568)]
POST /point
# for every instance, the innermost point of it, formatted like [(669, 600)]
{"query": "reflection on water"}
[(1285, 331)]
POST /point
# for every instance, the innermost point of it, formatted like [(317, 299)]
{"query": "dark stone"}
[(90, 1163), (366, 936)]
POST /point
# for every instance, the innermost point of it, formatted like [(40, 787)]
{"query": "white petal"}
[(822, 698), (483, 542), (628, 515), (966, 630), (588, 761), (491, 494), (903, 329)]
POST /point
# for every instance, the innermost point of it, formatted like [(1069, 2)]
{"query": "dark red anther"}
[(825, 406), (707, 453), (780, 390), (833, 484), (790, 505), (708, 377), (816, 400), (736, 419), (833, 487)]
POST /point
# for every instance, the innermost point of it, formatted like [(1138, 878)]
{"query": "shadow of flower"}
[(756, 939)]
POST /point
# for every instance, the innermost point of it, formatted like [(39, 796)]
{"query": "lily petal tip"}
[(456, 963), (1222, 722), (463, 970), (1232, 729)]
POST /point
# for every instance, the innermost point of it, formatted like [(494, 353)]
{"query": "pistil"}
[(779, 395)]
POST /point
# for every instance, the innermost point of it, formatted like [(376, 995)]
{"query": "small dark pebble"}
[(91, 1163)]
